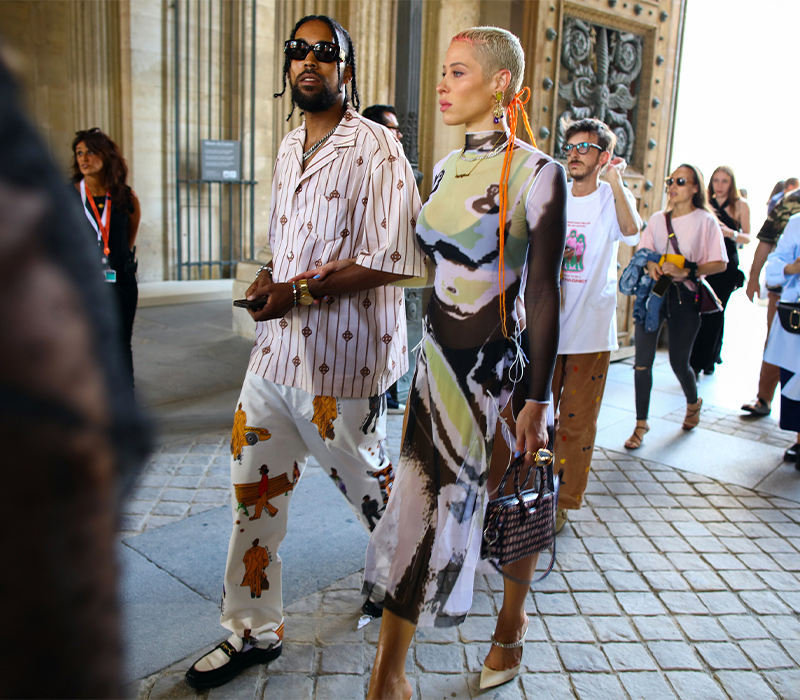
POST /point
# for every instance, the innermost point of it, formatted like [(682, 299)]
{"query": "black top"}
[(730, 222), (120, 256)]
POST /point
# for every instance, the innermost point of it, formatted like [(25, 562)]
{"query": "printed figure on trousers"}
[(329, 342), (600, 214)]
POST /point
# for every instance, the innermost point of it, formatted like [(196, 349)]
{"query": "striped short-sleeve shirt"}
[(356, 199)]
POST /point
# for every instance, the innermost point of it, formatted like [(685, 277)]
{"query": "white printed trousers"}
[(275, 430)]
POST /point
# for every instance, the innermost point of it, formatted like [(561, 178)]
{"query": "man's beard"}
[(319, 101)]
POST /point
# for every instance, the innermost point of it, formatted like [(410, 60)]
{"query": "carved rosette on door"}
[(602, 66)]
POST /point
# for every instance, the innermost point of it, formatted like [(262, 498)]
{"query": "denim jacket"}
[(635, 281)]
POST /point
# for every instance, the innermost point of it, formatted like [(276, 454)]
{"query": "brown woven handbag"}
[(522, 523)]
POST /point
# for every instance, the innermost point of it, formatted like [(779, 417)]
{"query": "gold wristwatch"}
[(305, 296)]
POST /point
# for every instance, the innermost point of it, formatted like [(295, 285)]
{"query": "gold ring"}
[(530, 453)]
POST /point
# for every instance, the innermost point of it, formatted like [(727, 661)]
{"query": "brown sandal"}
[(634, 442), (692, 415)]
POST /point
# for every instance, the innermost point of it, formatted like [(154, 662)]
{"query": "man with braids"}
[(328, 344)]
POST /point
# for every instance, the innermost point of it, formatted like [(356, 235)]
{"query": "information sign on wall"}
[(220, 160)]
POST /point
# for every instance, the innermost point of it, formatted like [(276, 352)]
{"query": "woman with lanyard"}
[(99, 175), (733, 213), (691, 243)]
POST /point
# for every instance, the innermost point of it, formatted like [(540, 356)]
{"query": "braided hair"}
[(340, 37)]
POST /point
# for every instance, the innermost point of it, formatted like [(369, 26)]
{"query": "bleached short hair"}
[(497, 49)]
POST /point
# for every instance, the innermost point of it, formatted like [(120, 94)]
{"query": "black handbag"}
[(789, 314), (523, 522), (705, 297)]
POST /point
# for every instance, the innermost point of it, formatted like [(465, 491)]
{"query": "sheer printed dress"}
[(466, 370)]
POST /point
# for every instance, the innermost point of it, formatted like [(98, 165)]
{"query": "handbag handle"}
[(541, 459)]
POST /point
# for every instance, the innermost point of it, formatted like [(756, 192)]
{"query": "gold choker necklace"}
[(496, 149)]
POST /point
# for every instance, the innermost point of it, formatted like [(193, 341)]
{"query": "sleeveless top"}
[(730, 222)]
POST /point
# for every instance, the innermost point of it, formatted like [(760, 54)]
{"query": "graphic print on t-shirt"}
[(576, 242)]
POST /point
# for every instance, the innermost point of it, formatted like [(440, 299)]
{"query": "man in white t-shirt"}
[(599, 215)]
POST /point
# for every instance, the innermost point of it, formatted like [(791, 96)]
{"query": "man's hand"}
[(531, 429), (753, 288), (279, 299), (615, 168), (569, 252)]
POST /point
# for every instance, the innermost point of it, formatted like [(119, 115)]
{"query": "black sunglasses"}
[(679, 181), (324, 51), (582, 147)]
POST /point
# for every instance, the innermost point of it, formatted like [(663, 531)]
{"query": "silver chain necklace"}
[(311, 151)]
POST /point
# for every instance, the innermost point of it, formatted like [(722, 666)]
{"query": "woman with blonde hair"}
[(733, 214), (690, 241), (494, 226)]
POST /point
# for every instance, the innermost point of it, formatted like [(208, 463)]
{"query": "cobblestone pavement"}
[(668, 585)]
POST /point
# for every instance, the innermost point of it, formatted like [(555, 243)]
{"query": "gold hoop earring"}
[(498, 107)]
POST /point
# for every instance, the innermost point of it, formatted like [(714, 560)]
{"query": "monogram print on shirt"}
[(283, 220), (347, 116), (309, 226), (306, 332), (366, 303), (359, 161), (365, 372), (345, 233), (386, 338), (383, 223), (280, 186), (290, 256), (324, 368), (413, 221), (296, 361), (318, 263), (396, 256), (364, 201), (332, 195), (347, 335), (283, 323), (391, 159), (266, 351), (400, 185)]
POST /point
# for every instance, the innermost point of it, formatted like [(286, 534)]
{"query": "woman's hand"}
[(792, 268), (654, 270), (531, 429), (674, 271), (320, 273)]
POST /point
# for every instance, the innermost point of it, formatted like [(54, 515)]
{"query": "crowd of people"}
[(518, 334)]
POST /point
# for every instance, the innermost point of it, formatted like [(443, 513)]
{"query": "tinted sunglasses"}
[(679, 181), (324, 51), (582, 148)]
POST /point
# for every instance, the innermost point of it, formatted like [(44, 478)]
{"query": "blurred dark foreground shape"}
[(71, 436)]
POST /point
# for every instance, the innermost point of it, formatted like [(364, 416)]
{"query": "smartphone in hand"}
[(252, 304), (662, 285)]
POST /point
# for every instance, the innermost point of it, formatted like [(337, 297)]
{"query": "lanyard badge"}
[(102, 226)]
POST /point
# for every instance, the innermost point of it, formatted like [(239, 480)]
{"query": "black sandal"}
[(759, 407)]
